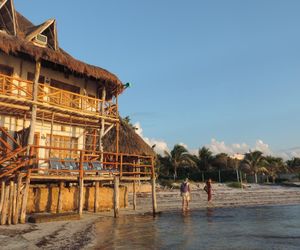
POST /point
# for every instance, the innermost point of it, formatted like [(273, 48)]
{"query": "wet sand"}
[(95, 230)]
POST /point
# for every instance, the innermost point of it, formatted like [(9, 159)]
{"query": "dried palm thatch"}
[(57, 59), (129, 143)]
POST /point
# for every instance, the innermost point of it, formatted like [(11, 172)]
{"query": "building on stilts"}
[(63, 145)]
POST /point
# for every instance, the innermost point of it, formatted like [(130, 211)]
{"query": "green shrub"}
[(234, 185), (166, 182), (281, 180)]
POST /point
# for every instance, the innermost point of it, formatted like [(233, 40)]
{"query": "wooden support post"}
[(10, 202), (24, 200), (34, 99), (116, 197), (60, 199), (2, 195), (96, 199), (51, 134), (80, 202), (14, 203), (134, 195), (154, 204), (80, 184), (102, 124), (18, 200), (5, 206)]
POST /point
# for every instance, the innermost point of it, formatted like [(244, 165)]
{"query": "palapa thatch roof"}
[(129, 141), (57, 58)]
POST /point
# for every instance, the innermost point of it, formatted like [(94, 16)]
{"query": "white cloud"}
[(238, 148), (221, 147), (160, 145)]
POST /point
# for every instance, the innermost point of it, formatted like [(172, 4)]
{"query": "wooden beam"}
[(15, 106), (96, 199), (116, 197), (60, 198)]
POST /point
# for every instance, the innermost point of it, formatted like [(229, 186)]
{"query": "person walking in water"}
[(185, 194), (208, 190)]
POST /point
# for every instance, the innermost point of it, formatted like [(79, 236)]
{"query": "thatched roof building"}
[(17, 38), (130, 142)]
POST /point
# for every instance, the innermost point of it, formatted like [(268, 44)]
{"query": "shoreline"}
[(82, 234)]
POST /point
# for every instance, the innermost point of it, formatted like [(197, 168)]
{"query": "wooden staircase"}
[(12, 155)]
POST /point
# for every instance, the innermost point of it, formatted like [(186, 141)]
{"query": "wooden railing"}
[(22, 89), (87, 163)]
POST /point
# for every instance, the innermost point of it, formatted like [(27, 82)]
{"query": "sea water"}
[(265, 227)]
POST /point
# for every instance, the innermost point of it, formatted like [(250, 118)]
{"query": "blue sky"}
[(203, 72)]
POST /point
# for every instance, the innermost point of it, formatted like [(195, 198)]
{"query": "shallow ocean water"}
[(265, 227)]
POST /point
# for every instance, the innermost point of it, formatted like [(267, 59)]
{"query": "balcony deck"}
[(16, 96), (88, 165)]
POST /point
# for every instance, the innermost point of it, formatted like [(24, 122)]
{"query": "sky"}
[(222, 74)]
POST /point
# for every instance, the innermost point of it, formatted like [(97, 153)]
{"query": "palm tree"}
[(234, 164), (256, 162), (179, 156), (220, 162), (205, 157), (203, 160), (274, 166)]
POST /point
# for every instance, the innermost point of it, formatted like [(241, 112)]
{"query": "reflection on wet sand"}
[(130, 232)]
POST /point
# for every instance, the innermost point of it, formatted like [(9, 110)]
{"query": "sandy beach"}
[(84, 233)]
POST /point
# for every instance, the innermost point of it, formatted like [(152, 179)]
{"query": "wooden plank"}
[(124, 178), (24, 200), (5, 206), (41, 218), (97, 198), (116, 197), (60, 198), (18, 200)]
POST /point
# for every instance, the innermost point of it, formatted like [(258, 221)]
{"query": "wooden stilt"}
[(154, 205), (116, 197), (10, 202), (5, 206), (134, 195), (80, 184), (18, 200), (96, 200), (80, 203), (24, 200), (60, 200), (14, 203), (2, 195)]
